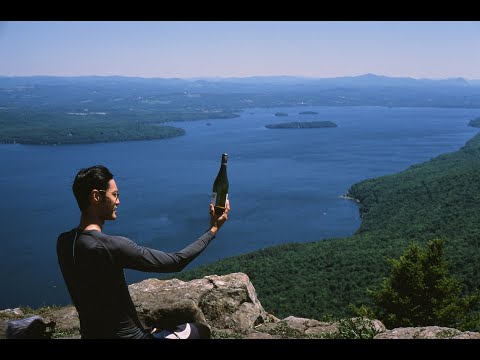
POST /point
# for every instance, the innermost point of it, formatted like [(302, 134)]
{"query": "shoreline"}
[(348, 197)]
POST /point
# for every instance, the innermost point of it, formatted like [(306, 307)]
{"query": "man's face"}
[(108, 208)]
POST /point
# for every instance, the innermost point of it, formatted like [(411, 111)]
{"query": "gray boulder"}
[(223, 302)]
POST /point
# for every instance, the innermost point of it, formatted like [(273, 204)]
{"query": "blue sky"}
[(418, 49)]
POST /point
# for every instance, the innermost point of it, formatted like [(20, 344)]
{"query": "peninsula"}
[(475, 122)]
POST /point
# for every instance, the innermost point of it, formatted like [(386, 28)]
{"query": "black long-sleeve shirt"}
[(93, 263)]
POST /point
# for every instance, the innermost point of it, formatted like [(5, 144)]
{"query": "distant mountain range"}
[(230, 95), (362, 80), (245, 83)]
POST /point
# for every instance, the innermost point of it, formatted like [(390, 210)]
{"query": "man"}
[(93, 263)]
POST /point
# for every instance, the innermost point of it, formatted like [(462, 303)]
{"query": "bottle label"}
[(214, 199)]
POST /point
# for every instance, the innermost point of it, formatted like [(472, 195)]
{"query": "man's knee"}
[(203, 330)]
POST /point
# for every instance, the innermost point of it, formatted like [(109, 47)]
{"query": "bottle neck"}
[(223, 168), (224, 159)]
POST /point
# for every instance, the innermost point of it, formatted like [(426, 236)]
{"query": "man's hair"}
[(94, 177)]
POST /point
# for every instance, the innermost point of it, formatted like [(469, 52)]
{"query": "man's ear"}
[(94, 196)]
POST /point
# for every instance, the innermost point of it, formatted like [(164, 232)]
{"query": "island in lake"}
[(302, 125), (308, 113)]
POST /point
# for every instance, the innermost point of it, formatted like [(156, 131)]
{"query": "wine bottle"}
[(220, 187)]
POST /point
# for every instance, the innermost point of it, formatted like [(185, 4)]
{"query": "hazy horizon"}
[(238, 49), (239, 77)]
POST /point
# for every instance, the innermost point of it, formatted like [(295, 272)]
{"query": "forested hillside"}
[(437, 199)]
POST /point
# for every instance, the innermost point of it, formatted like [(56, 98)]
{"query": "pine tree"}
[(420, 292)]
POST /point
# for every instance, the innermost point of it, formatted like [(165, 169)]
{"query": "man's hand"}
[(217, 220)]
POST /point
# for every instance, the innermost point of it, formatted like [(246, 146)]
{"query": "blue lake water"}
[(285, 185)]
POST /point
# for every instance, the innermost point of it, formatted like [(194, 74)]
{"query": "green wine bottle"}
[(220, 187)]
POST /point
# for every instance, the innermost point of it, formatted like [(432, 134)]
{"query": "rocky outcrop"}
[(229, 305), (427, 332), (225, 302)]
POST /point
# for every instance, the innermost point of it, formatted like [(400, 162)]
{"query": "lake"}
[(285, 185)]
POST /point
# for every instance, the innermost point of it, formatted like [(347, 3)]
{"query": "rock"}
[(66, 319), (296, 327), (378, 325), (223, 302), (427, 332), (11, 312), (7, 315), (261, 335)]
